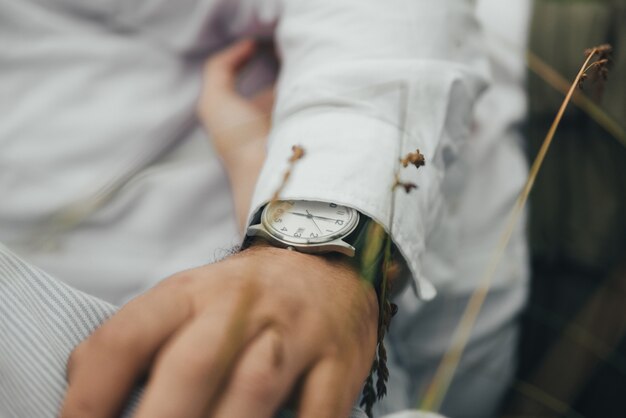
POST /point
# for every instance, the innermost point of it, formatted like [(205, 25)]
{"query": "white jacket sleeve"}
[(363, 82)]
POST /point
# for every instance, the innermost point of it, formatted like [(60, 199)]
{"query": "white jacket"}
[(98, 98)]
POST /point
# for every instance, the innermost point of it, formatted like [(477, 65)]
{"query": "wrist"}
[(364, 248), (338, 270), (259, 246)]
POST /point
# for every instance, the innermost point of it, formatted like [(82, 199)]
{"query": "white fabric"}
[(364, 83), (359, 81), (479, 190), (100, 96)]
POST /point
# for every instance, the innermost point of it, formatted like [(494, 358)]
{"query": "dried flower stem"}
[(377, 242), (445, 372), (552, 77), (406, 185), (376, 239), (297, 154), (415, 158)]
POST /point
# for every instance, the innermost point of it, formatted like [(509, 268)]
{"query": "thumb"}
[(220, 71)]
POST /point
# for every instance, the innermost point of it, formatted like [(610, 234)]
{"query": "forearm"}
[(243, 170)]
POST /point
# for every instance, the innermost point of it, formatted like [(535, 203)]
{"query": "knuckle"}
[(333, 351), (287, 309), (79, 407), (259, 382), (195, 362), (76, 357), (111, 339), (107, 337), (320, 325), (190, 365), (290, 305), (177, 282), (263, 374), (245, 287)]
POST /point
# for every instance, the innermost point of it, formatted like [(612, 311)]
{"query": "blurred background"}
[(573, 350)]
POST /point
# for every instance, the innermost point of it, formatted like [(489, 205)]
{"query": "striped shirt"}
[(41, 321)]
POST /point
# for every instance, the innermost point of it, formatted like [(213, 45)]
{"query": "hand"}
[(233, 121), (238, 126), (235, 339)]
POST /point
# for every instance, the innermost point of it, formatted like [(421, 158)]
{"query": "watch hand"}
[(299, 214), (315, 223), (314, 216)]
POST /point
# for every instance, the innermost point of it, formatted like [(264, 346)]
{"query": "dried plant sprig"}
[(406, 185), (602, 51), (393, 270), (381, 241), (415, 158), (382, 372), (297, 153), (369, 392), (582, 80), (445, 372), (599, 68), (388, 311), (390, 269), (552, 77)]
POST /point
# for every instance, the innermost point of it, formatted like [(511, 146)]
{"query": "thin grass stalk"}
[(553, 78), (445, 372)]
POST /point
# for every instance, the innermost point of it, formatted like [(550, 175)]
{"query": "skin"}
[(238, 338), (238, 126)]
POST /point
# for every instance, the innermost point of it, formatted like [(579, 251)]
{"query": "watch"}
[(308, 226)]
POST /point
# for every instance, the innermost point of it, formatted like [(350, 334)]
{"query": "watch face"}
[(307, 222)]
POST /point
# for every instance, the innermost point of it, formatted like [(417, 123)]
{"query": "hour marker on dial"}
[(308, 222)]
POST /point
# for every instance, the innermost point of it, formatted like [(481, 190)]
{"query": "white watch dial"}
[(308, 222)]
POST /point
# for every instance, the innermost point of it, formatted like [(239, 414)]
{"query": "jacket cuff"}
[(350, 159)]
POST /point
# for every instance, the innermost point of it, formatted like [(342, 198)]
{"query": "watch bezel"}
[(300, 242)]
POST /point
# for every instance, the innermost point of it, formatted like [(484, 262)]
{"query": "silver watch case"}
[(334, 244)]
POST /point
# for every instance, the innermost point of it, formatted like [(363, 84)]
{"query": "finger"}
[(219, 96), (327, 391), (222, 68), (103, 369), (192, 369), (264, 100), (262, 380)]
